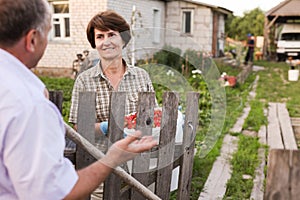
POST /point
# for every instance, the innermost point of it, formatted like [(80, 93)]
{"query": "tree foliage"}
[(252, 22)]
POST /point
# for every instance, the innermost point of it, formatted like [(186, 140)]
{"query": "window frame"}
[(184, 20), (60, 20), (156, 26)]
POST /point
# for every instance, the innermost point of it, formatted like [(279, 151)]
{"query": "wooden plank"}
[(295, 175), (167, 144), (274, 139), (57, 98), (112, 184), (258, 183), (238, 126), (189, 134), (215, 185), (86, 126), (278, 180), (287, 132), (141, 163), (257, 192)]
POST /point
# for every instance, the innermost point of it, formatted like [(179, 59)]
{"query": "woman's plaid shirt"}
[(134, 80)]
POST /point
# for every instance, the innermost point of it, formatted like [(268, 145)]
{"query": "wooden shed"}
[(285, 12)]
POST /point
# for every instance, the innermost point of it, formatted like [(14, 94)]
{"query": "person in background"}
[(250, 49), (32, 165), (109, 33), (77, 64), (87, 63)]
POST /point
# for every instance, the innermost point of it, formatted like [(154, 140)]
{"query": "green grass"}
[(65, 85), (235, 99), (256, 117), (273, 86), (244, 162)]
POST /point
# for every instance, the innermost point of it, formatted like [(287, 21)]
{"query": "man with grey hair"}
[(32, 165)]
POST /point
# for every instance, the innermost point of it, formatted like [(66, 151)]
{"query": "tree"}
[(252, 22)]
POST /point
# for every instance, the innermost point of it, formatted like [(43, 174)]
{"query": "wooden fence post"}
[(57, 98), (166, 144), (283, 175), (86, 126), (141, 163), (189, 134), (112, 185)]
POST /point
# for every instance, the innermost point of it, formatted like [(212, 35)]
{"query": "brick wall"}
[(62, 53)]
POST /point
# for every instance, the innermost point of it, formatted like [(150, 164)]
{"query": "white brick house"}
[(182, 23)]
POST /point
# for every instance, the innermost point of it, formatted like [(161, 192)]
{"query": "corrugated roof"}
[(285, 8)]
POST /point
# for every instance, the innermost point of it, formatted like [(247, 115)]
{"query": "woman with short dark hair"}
[(109, 33)]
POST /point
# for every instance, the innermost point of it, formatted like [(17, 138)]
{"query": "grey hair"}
[(18, 17)]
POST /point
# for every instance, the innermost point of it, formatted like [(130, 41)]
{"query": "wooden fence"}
[(167, 156), (283, 161)]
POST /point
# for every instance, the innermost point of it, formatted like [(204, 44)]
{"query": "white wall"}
[(201, 38), (142, 43)]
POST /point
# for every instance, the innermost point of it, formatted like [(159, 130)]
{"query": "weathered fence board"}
[(141, 163), (57, 98), (112, 184), (86, 126), (166, 154), (166, 145), (283, 175), (189, 133)]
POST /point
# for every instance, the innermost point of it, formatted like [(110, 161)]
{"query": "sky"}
[(240, 6)]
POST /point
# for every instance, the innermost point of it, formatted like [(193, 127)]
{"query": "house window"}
[(187, 21), (156, 26), (60, 20)]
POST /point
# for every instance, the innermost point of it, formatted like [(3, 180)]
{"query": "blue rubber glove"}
[(104, 128)]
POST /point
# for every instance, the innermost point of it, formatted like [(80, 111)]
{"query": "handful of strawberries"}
[(130, 120)]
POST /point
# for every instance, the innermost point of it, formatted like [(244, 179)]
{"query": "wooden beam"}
[(267, 27), (272, 22)]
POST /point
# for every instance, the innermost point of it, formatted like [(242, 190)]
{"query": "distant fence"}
[(167, 156)]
